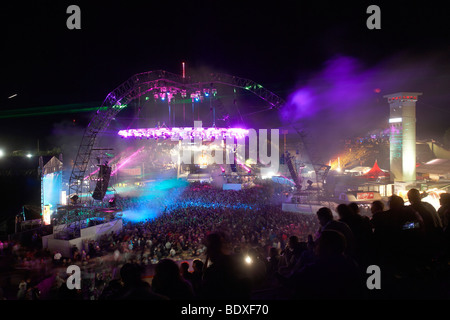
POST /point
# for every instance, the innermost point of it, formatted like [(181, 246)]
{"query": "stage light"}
[(183, 133), (112, 202), (29, 155), (248, 260), (395, 120), (2, 153)]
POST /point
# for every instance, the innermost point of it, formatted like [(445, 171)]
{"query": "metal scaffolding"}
[(143, 83)]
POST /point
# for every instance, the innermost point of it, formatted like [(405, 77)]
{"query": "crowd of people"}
[(257, 251)]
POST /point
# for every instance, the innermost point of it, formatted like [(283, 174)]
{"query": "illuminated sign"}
[(364, 196), (395, 120)]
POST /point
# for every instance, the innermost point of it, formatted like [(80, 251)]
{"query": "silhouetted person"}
[(169, 282), (377, 206), (133, 287), (354, 207), (428, 213), (444, 210), (197, 275), (327, 222), (398, 235), (224, 278), (290, 255), (111, 290), (361, 229), (333, 275), (184, 270), (444, 215), (273, 262), (432, 225), (383, 227)]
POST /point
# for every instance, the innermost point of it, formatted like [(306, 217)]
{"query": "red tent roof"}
[(375, 172)]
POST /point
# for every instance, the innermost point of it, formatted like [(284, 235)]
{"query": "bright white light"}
[(433, 197), (395, 120), (10, 97), (248, 260), (432, 161), (1, 153), (433, 201), (29, 155), (63, 198), (269, 175)]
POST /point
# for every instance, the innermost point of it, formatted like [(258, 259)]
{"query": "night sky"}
[(280, 44)]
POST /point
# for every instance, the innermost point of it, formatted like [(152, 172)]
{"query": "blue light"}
[(138, 215), (52, 187), (167, 196), (153, 198)]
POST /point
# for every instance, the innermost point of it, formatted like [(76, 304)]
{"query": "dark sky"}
[(279, 44)]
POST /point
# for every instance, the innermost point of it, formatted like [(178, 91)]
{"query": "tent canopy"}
[(375, 172)]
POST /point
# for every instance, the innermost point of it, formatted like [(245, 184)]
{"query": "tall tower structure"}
[(402, 139)]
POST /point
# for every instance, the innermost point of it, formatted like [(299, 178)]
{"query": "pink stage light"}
[(244, 166), (94, 172), (126, 161)]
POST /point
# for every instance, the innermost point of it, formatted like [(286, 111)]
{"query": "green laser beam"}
[(48, 110), (85, 107)]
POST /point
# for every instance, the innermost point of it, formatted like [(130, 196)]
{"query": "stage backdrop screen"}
[(52, 193)]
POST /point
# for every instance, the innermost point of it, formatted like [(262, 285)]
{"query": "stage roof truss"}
[(135, 87)]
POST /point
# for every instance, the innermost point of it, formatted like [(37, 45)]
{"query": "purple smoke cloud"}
[(345, 98)]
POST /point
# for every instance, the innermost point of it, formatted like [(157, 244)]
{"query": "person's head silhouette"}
[(414, 196), (130, 274), (396, 202)]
